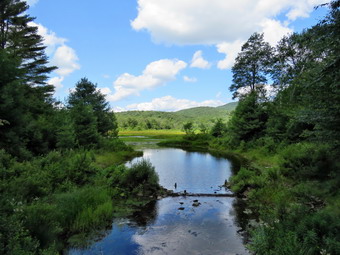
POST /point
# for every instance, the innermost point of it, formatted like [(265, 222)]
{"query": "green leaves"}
[(251, 66)]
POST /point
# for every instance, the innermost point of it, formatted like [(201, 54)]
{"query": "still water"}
[(194, 172), (176, 225)]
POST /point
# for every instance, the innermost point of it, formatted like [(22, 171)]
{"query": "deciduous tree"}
[(251, 66)]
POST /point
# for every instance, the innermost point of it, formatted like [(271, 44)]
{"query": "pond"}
[(179, 225)]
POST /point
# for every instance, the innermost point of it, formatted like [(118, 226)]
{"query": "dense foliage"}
[(56, 162), (59, 166), (294, 138), (201, 117), (288, 139)]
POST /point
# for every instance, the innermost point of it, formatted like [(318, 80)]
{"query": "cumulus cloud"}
[(230, 50), (105, 91), (65, 58), (50, 39), (198, 61), (225, 24), (274, 30), (189, 79), (155, 74), (61, 55), (56, 82), (212, 22), (169, 103)]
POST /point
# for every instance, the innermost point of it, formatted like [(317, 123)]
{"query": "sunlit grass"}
[(106, 159), (155, 133)]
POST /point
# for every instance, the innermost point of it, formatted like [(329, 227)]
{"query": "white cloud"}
[(62, 56), (212, 22), (169, 103), (303, 8), (230, 50), (119, 109), (189, 79), (105, 91), (65, 58), (226, 24), (56, 82), (199, 62), (50, 39), (155, 74), (274, 30)]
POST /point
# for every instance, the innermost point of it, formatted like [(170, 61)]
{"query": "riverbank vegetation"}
[(61, 163), (289, 133)]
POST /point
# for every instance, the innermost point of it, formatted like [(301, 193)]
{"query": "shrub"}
[(113, 144), (307, 160), (142, 176)]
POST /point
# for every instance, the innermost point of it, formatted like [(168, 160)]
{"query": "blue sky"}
[(159, 54)]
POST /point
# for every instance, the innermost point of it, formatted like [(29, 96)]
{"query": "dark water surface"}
[(177, 225)]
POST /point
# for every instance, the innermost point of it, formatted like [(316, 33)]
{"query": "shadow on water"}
[(145, 215)]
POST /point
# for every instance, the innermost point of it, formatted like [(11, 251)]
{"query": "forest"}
[(157, 120), (61, 163)]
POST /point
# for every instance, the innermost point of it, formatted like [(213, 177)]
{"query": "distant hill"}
[(140, 120), (229, 107)]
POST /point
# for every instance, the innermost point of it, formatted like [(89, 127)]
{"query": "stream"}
[(180, 225)]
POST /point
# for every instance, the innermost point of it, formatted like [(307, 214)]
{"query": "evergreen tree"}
[(21, 41), (85, 125), (86, 93), (251, 66), (26, 99), (248, 121), (218, 129), (66, 137)]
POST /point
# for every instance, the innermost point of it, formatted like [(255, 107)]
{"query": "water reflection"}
[(180, 225), (209, 228), (195, 172)]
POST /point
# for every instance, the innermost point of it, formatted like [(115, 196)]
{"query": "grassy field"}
[(164, 133)]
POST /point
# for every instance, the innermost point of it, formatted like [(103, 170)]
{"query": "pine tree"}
[(86, 93), (248, 121), (85, 126), (26, 99), (21, 41)]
